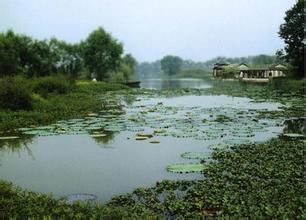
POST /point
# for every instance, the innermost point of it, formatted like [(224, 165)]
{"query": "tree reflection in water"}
[(103, 141), (17, 145)]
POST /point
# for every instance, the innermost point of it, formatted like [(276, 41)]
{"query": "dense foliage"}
[(14, 95), (100, 54), (22, 55), (292, 31)]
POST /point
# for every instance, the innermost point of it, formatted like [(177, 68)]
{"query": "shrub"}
[(52, 84), (15, 94)]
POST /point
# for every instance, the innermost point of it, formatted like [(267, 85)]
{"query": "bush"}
[(15, 94), (52, 84)]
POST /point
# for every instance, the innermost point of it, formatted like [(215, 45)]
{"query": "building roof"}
[(243, 66)]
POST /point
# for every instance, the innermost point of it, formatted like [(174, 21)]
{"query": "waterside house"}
[(245, 73)]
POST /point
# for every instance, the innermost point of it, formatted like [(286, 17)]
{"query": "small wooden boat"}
[(134, 84)]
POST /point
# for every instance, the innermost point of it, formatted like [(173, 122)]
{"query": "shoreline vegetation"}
[(41, 101)]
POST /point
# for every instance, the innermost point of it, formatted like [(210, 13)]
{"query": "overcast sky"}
[(150, 29)]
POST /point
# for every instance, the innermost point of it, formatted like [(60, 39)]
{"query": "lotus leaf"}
[(141, 138), (196, 155), (293, 135), (9, 137), (185, 167), (154, 142)]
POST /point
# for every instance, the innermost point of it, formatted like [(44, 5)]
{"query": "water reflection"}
[(106, 138), (16, 145), (174, 83)]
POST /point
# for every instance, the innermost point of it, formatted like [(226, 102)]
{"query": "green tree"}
[(129, 60), (66, 58), (171, 65), (101, 53), (292, 32), (14, 53), (40, 59)]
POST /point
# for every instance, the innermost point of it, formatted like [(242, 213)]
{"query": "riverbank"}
[(83, 98)]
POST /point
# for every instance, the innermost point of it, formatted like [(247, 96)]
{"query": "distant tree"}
[(101, 53), (127, 66), (130, 61), (149, 69), (292, 31), (171, 65), (263, 59)]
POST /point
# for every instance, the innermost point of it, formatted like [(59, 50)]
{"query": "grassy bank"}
[(43, 101), (258, 181)]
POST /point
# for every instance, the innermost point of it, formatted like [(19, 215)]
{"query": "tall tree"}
[(171, 65), (101, 53), (130, 61), (292, 31)]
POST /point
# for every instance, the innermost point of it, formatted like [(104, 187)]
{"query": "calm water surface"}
[(174, 83), (67, 164)]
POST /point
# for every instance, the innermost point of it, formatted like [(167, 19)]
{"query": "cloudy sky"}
[(150, 29)]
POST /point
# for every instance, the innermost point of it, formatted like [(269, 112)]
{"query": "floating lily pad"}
[(154, 142), (144, 135), (159, 131), (185, 167), (9, 137), (196, 155), (141, 138), (98, 135), (293, 135)]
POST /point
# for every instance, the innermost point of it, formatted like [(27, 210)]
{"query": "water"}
[(174, 83), (69, 164), (65, 164)]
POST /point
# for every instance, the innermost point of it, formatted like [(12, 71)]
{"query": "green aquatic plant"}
[(259, 181), (185, 167), (196, 155)]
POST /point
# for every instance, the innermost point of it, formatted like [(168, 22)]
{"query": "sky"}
[(150, 29)]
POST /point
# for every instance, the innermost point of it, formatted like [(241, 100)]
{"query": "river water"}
[(75, 162)]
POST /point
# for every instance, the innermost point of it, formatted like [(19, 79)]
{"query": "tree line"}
[(172, 65), (100, 56)]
